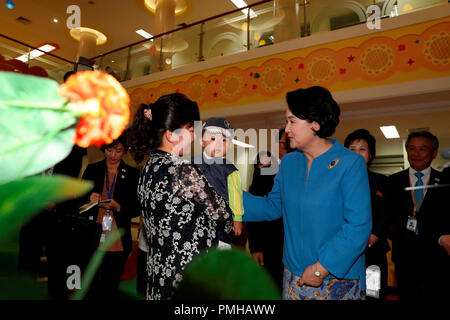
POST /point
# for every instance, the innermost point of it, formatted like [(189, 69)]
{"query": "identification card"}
[(107, 222), (373, 281), (224, 246), (411, 225)]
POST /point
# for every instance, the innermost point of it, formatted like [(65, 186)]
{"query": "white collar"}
[(426, 175)]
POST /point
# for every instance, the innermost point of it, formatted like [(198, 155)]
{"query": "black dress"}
[(182, 214), (381, 201)]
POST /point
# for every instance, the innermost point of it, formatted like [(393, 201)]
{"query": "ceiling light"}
[(144, 34), (242, 4), (390, 132), (407, 7), (55, 20), (36, 53), (10, 4)]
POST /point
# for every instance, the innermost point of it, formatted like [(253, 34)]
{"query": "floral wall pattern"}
[(409, 53)]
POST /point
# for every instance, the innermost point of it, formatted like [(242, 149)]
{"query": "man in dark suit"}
[(418, 217)]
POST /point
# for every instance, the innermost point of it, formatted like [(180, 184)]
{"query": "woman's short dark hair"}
[(423, 134), (169, 112), (121, 139), (315, 104), (363, 134)]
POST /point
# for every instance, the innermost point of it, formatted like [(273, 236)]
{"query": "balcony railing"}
[(16, 56), (267, 22), (260, 24)]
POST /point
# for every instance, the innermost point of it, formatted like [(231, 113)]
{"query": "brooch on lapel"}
[(333, 163)]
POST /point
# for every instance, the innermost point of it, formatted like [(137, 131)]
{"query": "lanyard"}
[(110, 190), (417, 205)]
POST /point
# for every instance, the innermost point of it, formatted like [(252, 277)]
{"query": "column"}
[(289, 27)]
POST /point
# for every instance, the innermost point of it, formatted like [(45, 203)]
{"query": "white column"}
[(164, 16), (87, 45), (164, 21), (289, 27)]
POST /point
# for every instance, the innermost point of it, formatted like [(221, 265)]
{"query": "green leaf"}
[(19, 200), (18, 89), (36, 127), (226, 275)]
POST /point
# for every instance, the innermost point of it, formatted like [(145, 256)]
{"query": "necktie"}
[(418, 193)]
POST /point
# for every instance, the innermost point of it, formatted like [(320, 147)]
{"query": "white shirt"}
[(425, 179)]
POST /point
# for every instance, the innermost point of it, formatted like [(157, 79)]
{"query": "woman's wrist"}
[(323, 272)]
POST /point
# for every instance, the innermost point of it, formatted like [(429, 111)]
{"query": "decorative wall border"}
[(378, 60)]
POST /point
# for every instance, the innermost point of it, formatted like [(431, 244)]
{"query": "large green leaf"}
[(36, 127), (19, 200), (29, 91), (226, 275)]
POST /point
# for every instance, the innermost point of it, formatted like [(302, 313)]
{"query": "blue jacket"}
[(326, 216)]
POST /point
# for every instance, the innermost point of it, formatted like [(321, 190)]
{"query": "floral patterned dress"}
[(182, 214)]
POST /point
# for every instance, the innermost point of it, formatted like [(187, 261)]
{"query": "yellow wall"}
[(415, 52)]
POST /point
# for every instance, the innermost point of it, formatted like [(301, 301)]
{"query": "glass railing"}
[(260, 24), (19, 57), (268, 22)]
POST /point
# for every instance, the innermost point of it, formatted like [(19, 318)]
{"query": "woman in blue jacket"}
[(322, 192)]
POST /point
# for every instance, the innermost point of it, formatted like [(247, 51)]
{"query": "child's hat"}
[(218, 126)]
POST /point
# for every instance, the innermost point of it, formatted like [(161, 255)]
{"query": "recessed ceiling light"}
[(36, 53), (55, 20), (10, 4), (242, 4), (390, 132), (144, 34)]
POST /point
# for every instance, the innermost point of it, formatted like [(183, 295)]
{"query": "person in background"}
[(181, 211), (220, 173), (115, 181), (140, 159), (420, 223), (38, 238), (268, 251), (322, 192), (363, 143)]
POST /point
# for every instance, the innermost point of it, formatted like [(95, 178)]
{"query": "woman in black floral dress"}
[(181, 211)]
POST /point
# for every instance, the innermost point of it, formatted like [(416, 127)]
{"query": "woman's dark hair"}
[(121, 139), (315, 104), (363, 134), (169, 112)]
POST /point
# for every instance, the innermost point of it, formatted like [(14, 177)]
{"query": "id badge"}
[(224, 246), (107, 222), (411, 225)]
